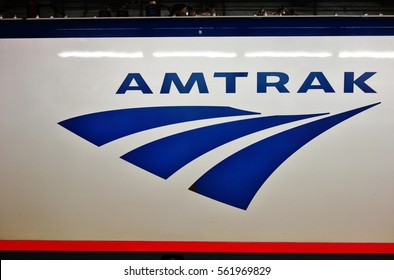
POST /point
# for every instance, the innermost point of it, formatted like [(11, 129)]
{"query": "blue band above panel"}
[(198, 27)]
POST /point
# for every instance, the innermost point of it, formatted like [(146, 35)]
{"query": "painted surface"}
[(262, 139)]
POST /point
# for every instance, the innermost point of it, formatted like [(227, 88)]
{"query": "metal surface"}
[(67, 83)]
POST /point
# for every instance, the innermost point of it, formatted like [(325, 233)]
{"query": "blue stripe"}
[(165, 156), (103, 127), (198, 27), (236, 180)]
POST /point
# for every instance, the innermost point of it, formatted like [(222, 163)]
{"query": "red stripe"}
[(197, 247)]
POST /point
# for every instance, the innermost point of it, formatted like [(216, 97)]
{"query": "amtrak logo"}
[(236, 179)]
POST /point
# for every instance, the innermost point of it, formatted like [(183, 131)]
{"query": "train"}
[(230, 134)]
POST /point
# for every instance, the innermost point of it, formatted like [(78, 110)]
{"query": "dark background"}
[(136, 8)]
